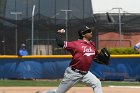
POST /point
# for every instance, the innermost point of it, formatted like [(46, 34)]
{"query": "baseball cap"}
[(84, 30)]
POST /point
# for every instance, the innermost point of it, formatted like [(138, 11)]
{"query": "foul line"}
[(125, 86)]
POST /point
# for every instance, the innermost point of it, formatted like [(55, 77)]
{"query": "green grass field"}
[(7, 83)]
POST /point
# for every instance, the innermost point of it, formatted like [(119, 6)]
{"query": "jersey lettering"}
[(88, 51)]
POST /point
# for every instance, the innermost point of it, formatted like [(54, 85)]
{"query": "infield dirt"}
[(128, 89)]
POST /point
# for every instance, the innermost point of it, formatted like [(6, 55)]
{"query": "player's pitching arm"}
[(59, 39)]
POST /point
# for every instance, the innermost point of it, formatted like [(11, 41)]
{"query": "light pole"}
[(16, 17), (66, 22), (32, 34), (120, 24)]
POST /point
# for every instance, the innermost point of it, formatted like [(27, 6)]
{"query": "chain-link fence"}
[(51, 15)]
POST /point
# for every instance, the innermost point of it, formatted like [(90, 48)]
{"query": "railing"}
[(114, 43)]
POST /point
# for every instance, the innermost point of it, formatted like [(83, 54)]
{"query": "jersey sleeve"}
[(68, 45), (59, 40)]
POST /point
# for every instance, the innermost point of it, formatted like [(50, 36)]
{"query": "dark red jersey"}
[(83, 53)]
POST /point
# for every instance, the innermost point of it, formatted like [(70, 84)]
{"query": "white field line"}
[(125, 86)]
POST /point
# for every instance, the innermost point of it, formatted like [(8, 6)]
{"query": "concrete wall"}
[(112, 39)]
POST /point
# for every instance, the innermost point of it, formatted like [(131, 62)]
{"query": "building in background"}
[(109, 32)]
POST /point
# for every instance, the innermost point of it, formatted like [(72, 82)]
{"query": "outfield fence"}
[(122, 67)]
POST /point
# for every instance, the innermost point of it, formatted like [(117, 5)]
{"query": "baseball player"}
[(137, 47), (22, 50), (83, 51)]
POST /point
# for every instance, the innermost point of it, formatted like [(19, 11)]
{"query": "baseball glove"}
[(103, 57)]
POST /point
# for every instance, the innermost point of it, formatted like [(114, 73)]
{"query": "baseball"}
[(62, 30)]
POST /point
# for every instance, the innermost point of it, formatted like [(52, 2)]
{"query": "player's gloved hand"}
[(103, 57)]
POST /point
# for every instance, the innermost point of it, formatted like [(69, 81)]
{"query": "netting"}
[(49, 17)]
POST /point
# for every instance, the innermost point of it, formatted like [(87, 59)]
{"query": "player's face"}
[(88, 36)]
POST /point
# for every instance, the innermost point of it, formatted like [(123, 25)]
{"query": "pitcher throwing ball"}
[(84, 52)]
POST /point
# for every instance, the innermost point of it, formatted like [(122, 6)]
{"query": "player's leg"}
[(92, 81), (70, 78)]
